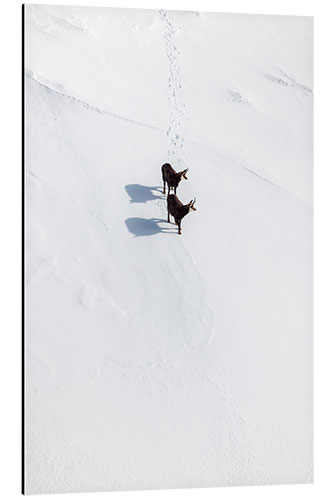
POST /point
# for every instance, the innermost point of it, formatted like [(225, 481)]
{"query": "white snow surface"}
[(155, 360)]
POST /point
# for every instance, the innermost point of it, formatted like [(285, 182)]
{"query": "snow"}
[(155, 360)]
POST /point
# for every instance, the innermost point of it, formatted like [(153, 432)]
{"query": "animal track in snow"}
[(177, 128)]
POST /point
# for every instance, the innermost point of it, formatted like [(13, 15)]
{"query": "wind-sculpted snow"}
[(156, 360), (289, 81)]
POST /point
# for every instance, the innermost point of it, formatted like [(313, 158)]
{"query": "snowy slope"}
[(156, 360)]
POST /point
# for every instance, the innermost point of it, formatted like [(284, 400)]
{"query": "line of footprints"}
[(175, 206)]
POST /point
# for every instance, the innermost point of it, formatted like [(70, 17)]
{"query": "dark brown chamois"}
[(171, 177), (178, 210)]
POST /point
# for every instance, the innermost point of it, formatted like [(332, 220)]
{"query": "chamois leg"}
[(175, 190), (168, 216), (163, 187), (178, 222)]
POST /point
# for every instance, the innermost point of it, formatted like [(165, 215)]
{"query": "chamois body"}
[(171, 177), (178, 210)]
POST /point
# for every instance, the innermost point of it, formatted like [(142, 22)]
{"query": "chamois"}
[(171, 177), (178, 210)]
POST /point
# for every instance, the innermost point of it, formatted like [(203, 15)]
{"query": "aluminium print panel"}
[(167, 354)]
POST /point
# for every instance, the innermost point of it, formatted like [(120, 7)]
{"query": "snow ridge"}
[(50, 88)]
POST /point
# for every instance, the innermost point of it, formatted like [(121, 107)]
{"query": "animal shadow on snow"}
[(141, 194), (145, 227)]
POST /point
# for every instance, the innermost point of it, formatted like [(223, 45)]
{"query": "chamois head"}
[(183, 174), (191, 205), (179, 176)]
